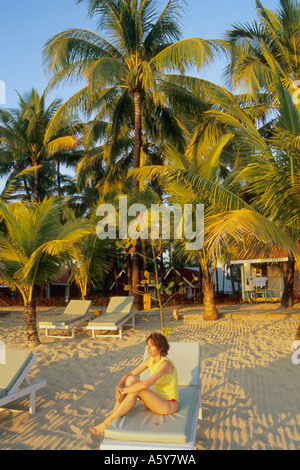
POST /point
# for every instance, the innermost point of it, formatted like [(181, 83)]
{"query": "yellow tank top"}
[(167, 385)]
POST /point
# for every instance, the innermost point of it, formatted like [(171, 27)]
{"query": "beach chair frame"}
[(70, 327), (117, 327), (30, 387), (117, 306)]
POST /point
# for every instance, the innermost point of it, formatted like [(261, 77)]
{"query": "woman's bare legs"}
[(150, 399), (120, 408)]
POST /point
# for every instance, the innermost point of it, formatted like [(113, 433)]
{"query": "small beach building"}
[(262, 277), (59, 287)]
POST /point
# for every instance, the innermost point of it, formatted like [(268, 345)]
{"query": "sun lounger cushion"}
[(111, 319), (61, 320), (78, 307), (75, 310), (141, 425), (120, 304), (15, 363)]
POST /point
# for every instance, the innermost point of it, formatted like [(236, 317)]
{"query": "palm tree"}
[(89, 257), (230, 223), (278, 33), (33, 248), (127, 73), (266, 56), (27, 144)]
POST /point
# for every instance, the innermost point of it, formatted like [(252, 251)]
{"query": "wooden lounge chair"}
[(119, 311), (14, 380), (142, 429), (75, 314)]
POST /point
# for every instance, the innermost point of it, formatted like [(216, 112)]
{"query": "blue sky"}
[(27, 25)]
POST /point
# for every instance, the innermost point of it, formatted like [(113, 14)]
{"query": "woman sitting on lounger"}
[(163, 401)]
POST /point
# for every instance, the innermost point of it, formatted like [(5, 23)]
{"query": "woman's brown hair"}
[(160, 342)]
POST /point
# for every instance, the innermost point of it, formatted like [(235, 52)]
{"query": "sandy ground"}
[(250, 385)]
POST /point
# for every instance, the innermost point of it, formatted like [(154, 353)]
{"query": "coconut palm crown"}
[(27, 146), (126, 71), (127, 68)]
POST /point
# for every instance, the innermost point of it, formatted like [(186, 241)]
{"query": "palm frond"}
[(235, 227), (186, 52)]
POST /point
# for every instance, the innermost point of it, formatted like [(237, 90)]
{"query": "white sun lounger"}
[(14, 380), (75, 314), (142, 429), (119, 311)]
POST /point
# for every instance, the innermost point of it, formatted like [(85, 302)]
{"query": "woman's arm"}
[(138, 370), (164, 368)]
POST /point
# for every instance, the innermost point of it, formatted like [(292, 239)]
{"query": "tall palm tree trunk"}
[(231, 278), (136, 259), (59, 192), (137, 97), (136, 276), (287, 296), (209, 302), (115, 269), (36, 180), (30, 316), (28, 195), (145, 257)]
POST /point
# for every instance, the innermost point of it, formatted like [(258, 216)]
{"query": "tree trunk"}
[(28, 196), (145, 257), (231, 278), (137, 135), (136, 276), (287, 296), (136, 261), (297, 337), (58, 180), (200, 279), (162, 273), (32, 332), (210, 308), (36, 181), (209, 302), (115, 269), (128, 269), (217, 278)]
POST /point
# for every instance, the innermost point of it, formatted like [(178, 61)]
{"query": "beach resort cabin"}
[(262, 278), (59, 287), (186, 281)]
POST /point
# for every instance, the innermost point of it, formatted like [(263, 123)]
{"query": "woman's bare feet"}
[(97, 430)]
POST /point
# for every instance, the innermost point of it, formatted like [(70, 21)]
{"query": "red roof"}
[(63, 278)]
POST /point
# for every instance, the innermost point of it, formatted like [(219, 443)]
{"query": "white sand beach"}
[(250, 386)]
